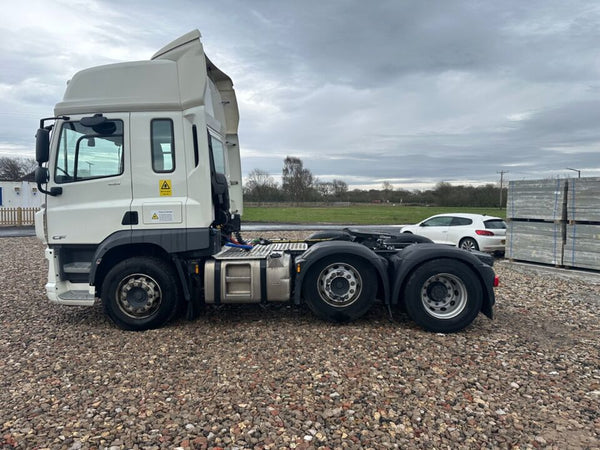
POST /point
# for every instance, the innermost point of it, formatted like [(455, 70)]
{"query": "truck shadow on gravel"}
[(93, 318)]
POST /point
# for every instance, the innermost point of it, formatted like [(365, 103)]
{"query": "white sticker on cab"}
[(163, 216)]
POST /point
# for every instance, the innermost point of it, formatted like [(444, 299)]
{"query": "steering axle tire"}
[(140, 293)]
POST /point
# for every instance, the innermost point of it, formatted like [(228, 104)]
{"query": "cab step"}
[(78, 267)]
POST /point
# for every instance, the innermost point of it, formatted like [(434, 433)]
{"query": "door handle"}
[(130, 218)]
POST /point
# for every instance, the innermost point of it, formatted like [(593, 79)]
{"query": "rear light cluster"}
[(484, 233)]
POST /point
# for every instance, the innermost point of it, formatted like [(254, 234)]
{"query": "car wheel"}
[(340, 288), (468, 244), (140, 293), (443, 296)]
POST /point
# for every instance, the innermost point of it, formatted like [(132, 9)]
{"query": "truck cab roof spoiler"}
[(179, 42), (174, 79), (173, 51)]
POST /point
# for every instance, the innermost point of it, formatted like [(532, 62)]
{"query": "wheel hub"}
[(139, 296), (340, 284), (444, 296), (437, 291)]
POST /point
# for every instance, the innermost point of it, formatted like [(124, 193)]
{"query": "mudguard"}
[(170, 241), (323, 249), (404, 262)]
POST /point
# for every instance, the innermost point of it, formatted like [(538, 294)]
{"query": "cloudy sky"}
[(412, 92)]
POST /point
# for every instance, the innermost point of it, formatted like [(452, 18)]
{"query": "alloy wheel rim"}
[(339, 285), (444, 296), (138, 296)]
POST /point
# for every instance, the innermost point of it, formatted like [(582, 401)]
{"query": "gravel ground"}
[(247, 377)]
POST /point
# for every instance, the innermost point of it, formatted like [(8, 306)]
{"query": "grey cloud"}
[(411, 90)]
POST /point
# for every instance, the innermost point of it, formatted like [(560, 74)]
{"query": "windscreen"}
[(89, 152)]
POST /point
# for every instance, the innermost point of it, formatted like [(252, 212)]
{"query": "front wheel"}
[(443, 296), (140, 293), (340, 288)]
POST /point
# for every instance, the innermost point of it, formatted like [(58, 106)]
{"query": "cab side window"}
[(163, 145), (218, 154)]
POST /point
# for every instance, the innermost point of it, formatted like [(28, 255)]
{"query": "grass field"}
[(356, 214)]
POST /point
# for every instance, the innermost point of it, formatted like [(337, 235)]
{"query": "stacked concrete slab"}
[(540, 242), (535, 212), (541, 200), (554, 222), (582, 240)]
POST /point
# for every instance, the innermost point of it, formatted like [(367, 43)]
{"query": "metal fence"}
[(17, 217)]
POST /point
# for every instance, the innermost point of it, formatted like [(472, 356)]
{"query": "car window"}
[(437, 222), (460, 221), (495, 224)]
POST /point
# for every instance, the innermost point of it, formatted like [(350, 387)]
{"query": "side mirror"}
[(41, 177), (42, 145)]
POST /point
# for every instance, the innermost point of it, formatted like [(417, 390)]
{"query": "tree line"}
[(13, 169), (298, 185)]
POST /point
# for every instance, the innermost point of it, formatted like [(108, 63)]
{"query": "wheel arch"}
[(114, 255), (163, 243), (322, 250), (404, 264)]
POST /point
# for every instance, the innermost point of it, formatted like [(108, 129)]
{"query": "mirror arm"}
[(42, 121), (53, 192)]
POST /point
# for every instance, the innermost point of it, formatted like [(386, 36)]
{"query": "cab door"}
[(91, 166), (159, 171)]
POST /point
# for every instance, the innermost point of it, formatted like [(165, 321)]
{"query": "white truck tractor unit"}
[(141, 170)]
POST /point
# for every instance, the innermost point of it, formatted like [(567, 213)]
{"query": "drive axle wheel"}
[(340, 288), (140, 293), (443, 295)]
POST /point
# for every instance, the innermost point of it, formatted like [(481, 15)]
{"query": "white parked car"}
[(468, 231)]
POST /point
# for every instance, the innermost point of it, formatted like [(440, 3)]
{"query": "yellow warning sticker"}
[(165, 188), (154, 216)]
